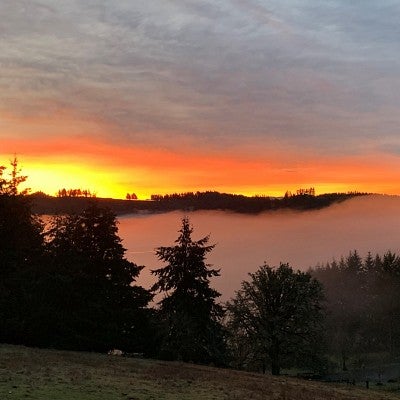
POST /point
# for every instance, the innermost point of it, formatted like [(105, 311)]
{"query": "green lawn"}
[(37, 374)]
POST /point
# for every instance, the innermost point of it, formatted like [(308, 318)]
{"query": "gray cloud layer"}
[(302, 72)]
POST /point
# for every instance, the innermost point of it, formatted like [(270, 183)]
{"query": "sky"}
[(240, 96)]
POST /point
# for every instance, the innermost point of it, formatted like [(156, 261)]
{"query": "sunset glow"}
[(154, 98), (112, 171)]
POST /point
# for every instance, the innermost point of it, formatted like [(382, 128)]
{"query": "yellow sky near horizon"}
[(112, 170)]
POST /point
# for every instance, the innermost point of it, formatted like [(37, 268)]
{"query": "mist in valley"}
[(244, 242)]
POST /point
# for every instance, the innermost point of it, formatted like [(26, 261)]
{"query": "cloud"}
[(303, 74)]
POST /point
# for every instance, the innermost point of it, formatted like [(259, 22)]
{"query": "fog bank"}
[(244, 242)]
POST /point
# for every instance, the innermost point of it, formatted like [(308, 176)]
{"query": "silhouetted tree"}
[(277, 317), (131, 196), (62, 193), (21, 252), (75, 193), (97, 307), (189, 308)]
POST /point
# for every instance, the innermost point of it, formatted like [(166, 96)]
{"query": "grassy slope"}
[(49, 374)]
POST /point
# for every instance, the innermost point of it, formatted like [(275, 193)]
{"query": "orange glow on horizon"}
[(112, 170)]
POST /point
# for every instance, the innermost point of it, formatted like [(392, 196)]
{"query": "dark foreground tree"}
[(20, 231), (275, 319), (21, 252), (93, 302), (189, 310)]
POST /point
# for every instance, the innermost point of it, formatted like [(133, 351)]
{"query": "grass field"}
[(36, 374)]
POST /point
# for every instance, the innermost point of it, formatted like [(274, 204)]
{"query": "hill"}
[(43, 204), (38, 374)]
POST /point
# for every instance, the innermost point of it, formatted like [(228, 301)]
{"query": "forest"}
[(67, 284), (75, 200)]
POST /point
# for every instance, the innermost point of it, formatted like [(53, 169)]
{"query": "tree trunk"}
[(391, 336), (344, 358), (275, 359), (275, 367)]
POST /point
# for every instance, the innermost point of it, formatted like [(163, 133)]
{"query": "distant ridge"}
[(191, 201)]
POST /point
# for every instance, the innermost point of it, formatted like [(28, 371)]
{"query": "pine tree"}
[(189, 307), (21, 253), (97, 307)]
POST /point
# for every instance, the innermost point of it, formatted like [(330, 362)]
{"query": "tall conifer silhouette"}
[(189, 307)]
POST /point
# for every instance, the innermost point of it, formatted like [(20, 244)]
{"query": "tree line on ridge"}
[(77, 199)]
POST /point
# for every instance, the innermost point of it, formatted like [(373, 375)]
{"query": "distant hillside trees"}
[(301, 192), (131, 196), (305, 199), (189, 309), (276, 318), (72, 199), (75, 193), (306, 192), (363, 306)]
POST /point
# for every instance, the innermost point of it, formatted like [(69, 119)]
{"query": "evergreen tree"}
[(354, 263), (20, 230), (189, 308), (346, 289), (387, 303), (96, 307), (363, 306), (21, 253)]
